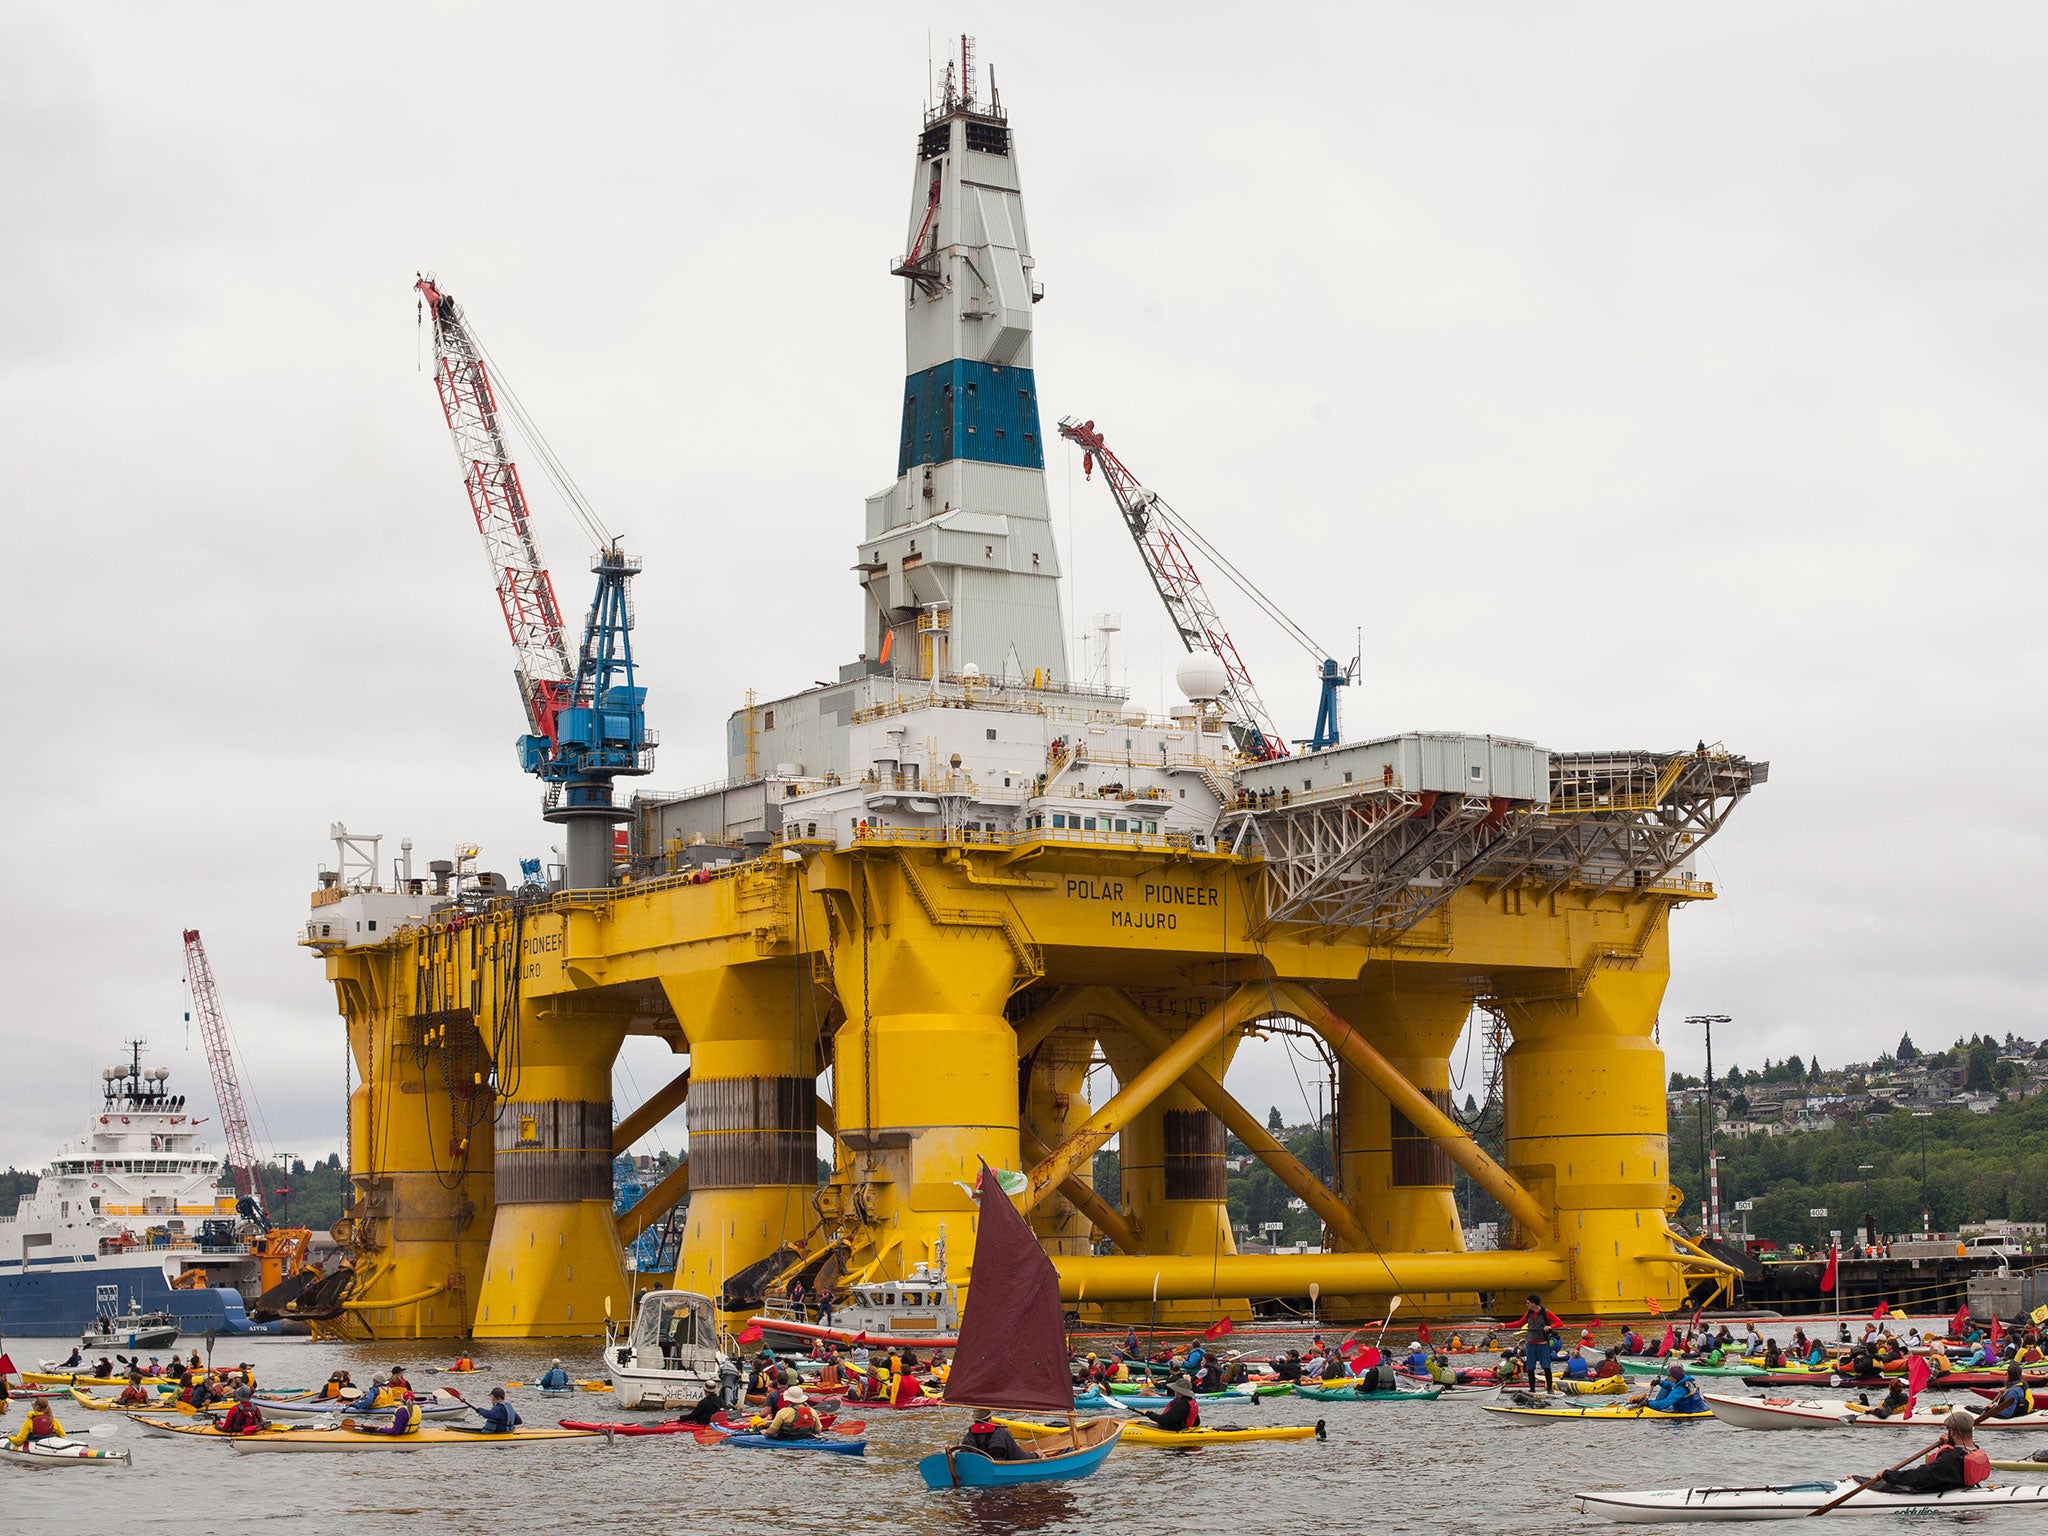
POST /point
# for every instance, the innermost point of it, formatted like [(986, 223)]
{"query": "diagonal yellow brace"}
[(655, 1204), (1348, 1043), (1243, 1124), (650, 1114), (1131, 1100), (1107, 1219)]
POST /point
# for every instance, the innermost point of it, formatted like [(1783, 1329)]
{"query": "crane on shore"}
[(227, 1083)]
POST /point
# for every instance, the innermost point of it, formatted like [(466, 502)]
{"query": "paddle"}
[(1895, 1467)]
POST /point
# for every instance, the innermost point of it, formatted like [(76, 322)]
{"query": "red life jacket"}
[(41, 1426), (1194, 1414), (1976, 1466)]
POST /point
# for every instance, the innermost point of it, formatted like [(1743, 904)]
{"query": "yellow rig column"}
[(1584, 1084), (753, 1116), (1396, 1180), (420, 1159), (554, 1240), (924, 1066), (1058, 1106), (1171, 1157)]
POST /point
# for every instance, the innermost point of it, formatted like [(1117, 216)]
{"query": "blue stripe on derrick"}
[(969, 410)]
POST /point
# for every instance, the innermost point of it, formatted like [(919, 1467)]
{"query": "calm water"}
[(1433, 1469)]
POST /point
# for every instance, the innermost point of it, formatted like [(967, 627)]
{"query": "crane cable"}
[(550, 462), (1237, 578)]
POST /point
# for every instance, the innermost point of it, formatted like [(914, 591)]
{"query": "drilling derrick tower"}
[(933, 895)]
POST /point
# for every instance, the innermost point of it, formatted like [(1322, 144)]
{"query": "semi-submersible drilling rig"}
[(931, 894)]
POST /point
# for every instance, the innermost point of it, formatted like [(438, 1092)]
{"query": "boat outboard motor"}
[(729, 1383)]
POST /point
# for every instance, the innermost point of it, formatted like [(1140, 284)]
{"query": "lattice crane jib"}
[(526, 593), (1179, 585), (220, 1061)]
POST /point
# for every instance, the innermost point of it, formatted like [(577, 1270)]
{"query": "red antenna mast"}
[(220, 1060)]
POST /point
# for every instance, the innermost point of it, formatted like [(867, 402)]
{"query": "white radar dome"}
[(970, 670), (1200, 676)]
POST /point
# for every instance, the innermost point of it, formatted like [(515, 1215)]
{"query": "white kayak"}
[(1813, 1413), (1794, 1501), (60, 1452)]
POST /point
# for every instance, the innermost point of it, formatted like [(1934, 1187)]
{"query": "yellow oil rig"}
[(929, 897)]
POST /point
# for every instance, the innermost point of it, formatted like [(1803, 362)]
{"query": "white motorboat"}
[(1796, 1501), (923, 1309), (671, 1356), (60, 1452)]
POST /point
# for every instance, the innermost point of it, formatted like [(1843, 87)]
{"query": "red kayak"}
[(847, 1336), (669, 1426)]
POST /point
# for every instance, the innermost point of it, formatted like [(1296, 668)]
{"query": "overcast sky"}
[(1628, 374)]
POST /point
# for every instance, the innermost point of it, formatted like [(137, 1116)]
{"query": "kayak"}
[(431, 1407), (1151, 1434), (1615, 1411), (2040, 1467), (310, 1439), (764, 1443), (1353, 1395), (1602, 1386), (1157, 1400), (1791, 1501), (612, 1427), (59, 1452), (1792, 1413), (964, 1467), (1093, 1402), (86, 1379), (85, 1399), (1642, 1365)]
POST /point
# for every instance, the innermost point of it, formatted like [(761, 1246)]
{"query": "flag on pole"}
[(1997, 1332), (1670, 1341), (1882, 1309), (1422, 1332), (1827, 1278), (1917, 1373), (1959, 1322), (1218, 1329), (1651, 1303), (7, 1365), (750, 1335)]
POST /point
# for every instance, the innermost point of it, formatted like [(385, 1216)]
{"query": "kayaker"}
[(1130, 1344), (1416, 1361), (708, 1407), (400, 1387), (1774, 1357), (1675, 1392), (555, 1379), (1610, 1365), (1537, 1321), (1440, 1370), (1334, 1368), (796, 1419), (41, 1424), (338, 1386), (77, 1359), (1378, 1376), (405, 1420), (1955, 1463), (2017, 1397), (135, 1394), (501, 1418), (374, 1397), (464, 1364), (1575, 1367), (245, 1418), (103, 1368), (1631, 1341), (1895, 1398), (1181, 1413), (994, 1442), (1288, 1366)]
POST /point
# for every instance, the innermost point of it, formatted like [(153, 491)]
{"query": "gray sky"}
[(1628, 374)]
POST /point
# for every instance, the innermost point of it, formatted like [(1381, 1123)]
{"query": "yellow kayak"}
[(78, 1379), (85, 1399), (311, 1437), (1603, 1386), (1138, 1432), (1616, 1411)]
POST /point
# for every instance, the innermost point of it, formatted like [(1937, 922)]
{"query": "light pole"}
[(1862, 1194), (1711, 1159), (1926, 1222)]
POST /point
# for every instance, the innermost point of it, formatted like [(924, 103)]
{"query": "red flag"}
[(1917, 1373), (1882, 1309), (1698, 1313), (1670, 1341), (1217, 1329), (1827, 1278), (751, 1335), (7, 1365), (1422, 1332), (1651, 1303), (1997, 1332), (1959, 1322), (1365, 1359)]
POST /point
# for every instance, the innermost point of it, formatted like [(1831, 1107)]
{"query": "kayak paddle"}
[(1895, 1467)]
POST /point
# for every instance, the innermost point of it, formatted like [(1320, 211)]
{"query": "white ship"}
[(128, 1219)]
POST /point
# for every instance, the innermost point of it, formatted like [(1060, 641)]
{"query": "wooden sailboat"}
[(1013, 1355)]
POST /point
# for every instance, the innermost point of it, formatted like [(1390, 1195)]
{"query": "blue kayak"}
[(1092, 1400), (762, 1442), (1141, 1403), (961, 1467)]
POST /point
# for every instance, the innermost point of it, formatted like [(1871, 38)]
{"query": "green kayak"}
[(1353, 1395), (1148, 1389), (1636, 1366)]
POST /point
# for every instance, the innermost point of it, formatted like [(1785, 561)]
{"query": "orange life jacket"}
[(1976, 1466)]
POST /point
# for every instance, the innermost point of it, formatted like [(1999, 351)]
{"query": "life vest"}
[(1194, 1415), (805, 1425), (412, 1418), (1976, 1466), (133, 1395), (41, 1426)]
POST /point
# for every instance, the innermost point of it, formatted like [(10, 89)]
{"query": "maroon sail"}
[(1013, 1334)]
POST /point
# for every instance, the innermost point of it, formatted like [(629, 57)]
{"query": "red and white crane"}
[(1179, 583), (526, 592), (220, 1061)]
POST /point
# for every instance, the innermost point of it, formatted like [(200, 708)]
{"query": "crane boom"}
[(1180, 588), (220, 1061), (526, 592)]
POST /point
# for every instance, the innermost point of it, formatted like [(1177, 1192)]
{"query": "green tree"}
[(1983, 1058), (1907, 1050), (1273, 1121)]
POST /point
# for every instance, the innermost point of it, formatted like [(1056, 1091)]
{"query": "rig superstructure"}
[(931, 893)]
